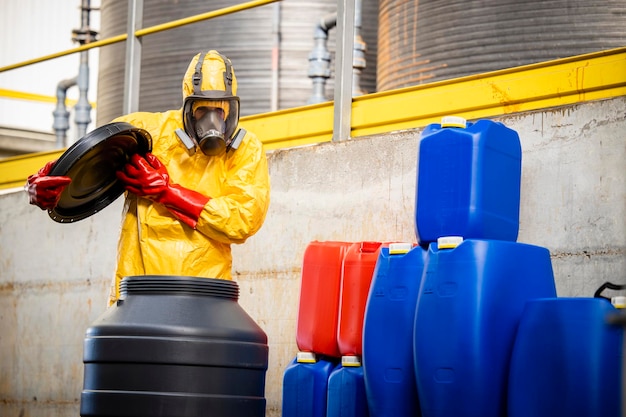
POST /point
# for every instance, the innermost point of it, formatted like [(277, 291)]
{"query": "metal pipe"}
[(83, 35), (82, 115), (61, 115), (319, 59), (359, 48), (83, 107), (274, 99), (82, 110)]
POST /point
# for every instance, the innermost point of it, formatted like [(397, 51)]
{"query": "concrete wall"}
[(54, 277)]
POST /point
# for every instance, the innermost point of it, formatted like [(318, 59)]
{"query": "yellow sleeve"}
[(241, 209)]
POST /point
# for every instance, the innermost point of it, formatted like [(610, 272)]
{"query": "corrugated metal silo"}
[(246, 37), (431, 40)]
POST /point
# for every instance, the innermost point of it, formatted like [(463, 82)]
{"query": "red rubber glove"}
[(148, 177), (44, 191)]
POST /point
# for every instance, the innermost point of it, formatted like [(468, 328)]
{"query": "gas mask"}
[(209, 130), (210, 117)]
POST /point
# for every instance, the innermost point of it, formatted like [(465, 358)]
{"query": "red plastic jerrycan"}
[(358, 269), (318, 313)]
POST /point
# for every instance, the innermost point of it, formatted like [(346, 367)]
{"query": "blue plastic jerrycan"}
[(388, 331), (346, 389), (305, 385), (566, 360), (468, 181), (470, 303)]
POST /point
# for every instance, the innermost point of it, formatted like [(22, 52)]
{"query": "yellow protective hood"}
[(213, 70)]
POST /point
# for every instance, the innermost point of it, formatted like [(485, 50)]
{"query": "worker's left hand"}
[(145, 176), (148, 177)]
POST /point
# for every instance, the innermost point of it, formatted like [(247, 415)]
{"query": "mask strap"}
[(228, 75), (197, 76)]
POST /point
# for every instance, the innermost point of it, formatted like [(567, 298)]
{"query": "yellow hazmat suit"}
[(153, 241)]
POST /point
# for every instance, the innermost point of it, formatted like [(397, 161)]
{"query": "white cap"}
[(306, 357), (350, 360), (453, 121), (400, 248), (619, 301), (449, 242)]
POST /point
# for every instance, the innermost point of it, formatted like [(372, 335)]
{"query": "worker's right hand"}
[(44, 191)]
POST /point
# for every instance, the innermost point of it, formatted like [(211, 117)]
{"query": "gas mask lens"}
[(210, 122), (210, 128)]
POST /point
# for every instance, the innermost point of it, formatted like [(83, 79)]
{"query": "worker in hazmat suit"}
[(184, 209)]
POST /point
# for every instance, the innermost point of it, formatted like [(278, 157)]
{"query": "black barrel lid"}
[(91, 163)]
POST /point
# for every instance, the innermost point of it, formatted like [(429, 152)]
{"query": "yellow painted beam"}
[(15, 170), (532, 87), (544, 85), (293, 127)]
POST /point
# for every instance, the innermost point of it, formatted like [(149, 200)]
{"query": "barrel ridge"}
[(179, 285)]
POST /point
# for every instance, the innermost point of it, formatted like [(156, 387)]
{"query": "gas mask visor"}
[(211, 122)]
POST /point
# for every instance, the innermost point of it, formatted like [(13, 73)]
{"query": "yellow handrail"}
[(143, 32), (21, 95)]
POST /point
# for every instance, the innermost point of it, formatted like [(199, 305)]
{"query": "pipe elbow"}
[(324, 25), (65, 85)]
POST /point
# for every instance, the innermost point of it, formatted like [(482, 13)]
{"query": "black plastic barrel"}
[(177, 347)]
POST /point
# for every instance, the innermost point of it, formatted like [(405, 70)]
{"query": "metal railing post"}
[(343, 70), (132, 71)]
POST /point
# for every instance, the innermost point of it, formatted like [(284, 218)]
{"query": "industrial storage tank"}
[(248, 38), (429, 40)]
